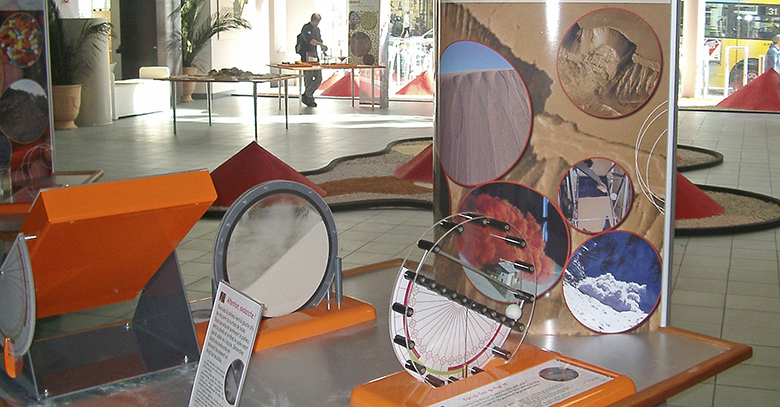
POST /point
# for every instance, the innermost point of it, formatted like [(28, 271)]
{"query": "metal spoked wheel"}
[(17, 298), (444, 328)]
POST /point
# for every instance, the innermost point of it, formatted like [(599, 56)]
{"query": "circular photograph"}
[(353, 20), (485, 114), (613, 282), (21, 40), (360, 44), (442, 195), (233, 381), (368, 20), (544, 233), (595, 195), (24, 111), (558, 374), (609, 63)]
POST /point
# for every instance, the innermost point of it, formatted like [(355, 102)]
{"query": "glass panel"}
[(737, 35)]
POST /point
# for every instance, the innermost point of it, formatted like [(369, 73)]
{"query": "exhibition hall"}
[(494, 224)]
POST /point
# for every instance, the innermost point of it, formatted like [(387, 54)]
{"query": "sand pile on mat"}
[(738, 210), (371, 177)]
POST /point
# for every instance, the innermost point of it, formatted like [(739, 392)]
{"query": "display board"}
[(25, 130), (369, 31), (364, 31), (553, 117)]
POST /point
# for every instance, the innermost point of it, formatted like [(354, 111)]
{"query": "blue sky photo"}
[(471, 56)]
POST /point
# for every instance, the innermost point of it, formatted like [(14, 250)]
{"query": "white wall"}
[(247, 50), (298, 13), (334, 25), (116, 57), (75, 8), (692, 49), (71, 8), (275, 25), (278, 31)]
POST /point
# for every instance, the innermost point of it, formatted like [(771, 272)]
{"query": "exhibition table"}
[(208, 80), (302, 67), (323, 370)]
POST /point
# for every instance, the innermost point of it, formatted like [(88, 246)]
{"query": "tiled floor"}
[(728, 286), (723, 286)]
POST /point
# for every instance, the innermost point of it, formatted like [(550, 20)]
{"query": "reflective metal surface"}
[(277, 243), (323, 370)]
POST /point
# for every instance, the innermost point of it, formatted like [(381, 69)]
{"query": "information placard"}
[(227, 349), (543, 385)]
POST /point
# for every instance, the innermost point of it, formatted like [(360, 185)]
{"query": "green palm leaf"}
[(197, 29), (72, 57)]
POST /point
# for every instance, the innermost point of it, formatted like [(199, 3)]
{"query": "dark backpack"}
[(300, 44)]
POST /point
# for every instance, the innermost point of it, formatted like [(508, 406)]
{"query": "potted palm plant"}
[(72, 60), (196, 30)]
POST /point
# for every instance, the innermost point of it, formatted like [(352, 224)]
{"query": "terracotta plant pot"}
[(188, 87), (66, 102)]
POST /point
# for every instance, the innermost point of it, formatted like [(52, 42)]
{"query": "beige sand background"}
[(562, 134)]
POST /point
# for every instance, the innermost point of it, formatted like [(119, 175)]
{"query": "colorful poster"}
[(553, 116), (364, 31), (25, 130)]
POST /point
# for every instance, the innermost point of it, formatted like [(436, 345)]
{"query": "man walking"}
[(310, 39), (773, 55)]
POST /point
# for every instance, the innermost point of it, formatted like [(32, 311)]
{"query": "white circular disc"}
[(17, 298)]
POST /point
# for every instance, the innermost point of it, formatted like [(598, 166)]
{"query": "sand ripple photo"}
[(609, 63)]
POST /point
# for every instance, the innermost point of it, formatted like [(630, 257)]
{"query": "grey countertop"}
[(323, 370)]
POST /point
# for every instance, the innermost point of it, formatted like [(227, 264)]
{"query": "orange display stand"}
[(326, 317), (102, 244), (99, 244), (403, 390)]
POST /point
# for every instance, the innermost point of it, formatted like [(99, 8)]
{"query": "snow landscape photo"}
[(613, 282)]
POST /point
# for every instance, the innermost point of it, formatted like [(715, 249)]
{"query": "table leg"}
[(173, 105), (254, 104), (352, 84), (208, 99), (286, 123), (279, 90), (372, 89), (300, 92)]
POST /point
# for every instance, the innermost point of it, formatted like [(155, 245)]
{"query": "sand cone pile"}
[(419, 168), (762, 93), (421, 85), (692, 203), (330, 81), (252, 166)]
